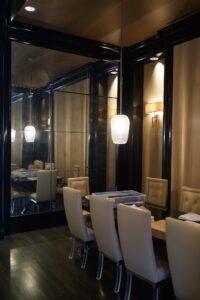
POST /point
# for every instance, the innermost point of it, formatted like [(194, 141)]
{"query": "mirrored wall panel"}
[(61, 108)]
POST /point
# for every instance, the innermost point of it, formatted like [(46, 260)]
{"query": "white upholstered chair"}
[(76, 222), (46, 187), (103, 221), (156, 192), (81, 184), (183, 248), (135, 234), (190, 200)]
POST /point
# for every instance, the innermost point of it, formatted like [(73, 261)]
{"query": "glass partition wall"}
[(60, 126)]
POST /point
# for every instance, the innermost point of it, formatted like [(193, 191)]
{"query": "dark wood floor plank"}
[(34, 266)]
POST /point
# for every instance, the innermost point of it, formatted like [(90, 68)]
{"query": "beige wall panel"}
[(186, 119), (71, 136), (152, 134), (16, 124)]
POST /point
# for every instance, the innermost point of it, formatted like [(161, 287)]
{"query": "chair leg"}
[(118, 277), (128, 286), (84, 255), (100, 266), (72, 249), (12, 207), (156, 291)]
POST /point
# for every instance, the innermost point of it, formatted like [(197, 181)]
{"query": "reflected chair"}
[(46, 188), (135, 234), (15, 195), (183, 247), (103, 221), (38, 164), (156, 194), (190, 200), (76, 223)]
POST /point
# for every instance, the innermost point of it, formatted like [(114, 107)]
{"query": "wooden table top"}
[(159, 229)]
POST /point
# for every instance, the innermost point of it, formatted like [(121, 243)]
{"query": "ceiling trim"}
[(60, 41)]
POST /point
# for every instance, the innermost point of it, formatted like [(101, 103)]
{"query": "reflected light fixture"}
[(120, 123), (13, 135), (29, 133), (154, 109), (30, 8)]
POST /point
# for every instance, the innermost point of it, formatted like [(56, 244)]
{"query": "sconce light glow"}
[(154, 107), (29, 133), (13, 135), (120, 129), (30, 8)]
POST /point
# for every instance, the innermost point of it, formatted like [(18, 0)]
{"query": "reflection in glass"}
[(60, 116)]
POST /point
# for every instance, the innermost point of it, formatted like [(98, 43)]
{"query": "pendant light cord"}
[(121, 55)]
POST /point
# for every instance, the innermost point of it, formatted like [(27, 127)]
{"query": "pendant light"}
[(29, 130), (120, 123)]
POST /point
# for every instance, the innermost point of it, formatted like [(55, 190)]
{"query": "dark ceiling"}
[(100, 20)]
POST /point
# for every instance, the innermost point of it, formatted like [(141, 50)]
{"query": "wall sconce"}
[(13, 135), (154, 109), (29, 133)]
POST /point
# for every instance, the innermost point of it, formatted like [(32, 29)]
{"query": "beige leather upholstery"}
[(46, 186), (190, 200), (73, 211), (103, 221), (156, 191), (79, 183), (38, 164), (137, 246), (183, 247)]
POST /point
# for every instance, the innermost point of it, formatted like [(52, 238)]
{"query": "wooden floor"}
[(35, 266)]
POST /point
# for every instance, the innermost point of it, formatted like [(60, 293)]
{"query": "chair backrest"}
[(103, 221), (156, 191), (183, 248), (190, 200), (135, 234), (79, 183), (46, 185), (38, 164), (74, 215)]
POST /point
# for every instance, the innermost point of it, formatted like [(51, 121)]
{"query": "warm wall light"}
[(13, 135), (29, 133), (154, 109)]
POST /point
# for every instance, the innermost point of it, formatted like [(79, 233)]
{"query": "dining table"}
[(128, 197)]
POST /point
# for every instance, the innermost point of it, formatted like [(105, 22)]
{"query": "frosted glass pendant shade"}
[(13, 135), (29, 133), (120, 129)]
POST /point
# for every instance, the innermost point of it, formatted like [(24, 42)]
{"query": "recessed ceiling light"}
[(114, 72), (154, 58), (30, 8), (159, 54)]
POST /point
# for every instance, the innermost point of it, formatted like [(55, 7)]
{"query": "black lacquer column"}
[(4, 115), (129, 156), (167, 119)]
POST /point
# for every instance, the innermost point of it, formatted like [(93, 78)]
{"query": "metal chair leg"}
[(84, 256), (128, 286), (100, 266), (12, 207), (118, 277), (72, 250), (155, 294)]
